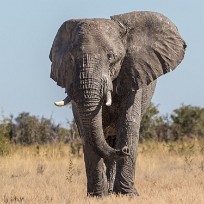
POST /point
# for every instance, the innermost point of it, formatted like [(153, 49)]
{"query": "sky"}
[(27, 30)]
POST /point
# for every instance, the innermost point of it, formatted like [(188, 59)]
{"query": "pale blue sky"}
[(27, 30)]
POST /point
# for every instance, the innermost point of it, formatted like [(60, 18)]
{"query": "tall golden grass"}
[(166, 173)]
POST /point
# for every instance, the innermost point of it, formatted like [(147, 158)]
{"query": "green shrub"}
[(4, 146), (188, 121)]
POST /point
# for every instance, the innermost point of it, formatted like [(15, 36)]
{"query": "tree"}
[(30, 129), (74, 139), (26, 129), (149, 123), (6, 131), (188, 121), (155, 127)]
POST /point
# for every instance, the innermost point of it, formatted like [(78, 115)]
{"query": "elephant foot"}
[(97, 194), (132, 194), (131, 191), (98, 190)]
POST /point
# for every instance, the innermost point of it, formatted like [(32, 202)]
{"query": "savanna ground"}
[(166, 173)]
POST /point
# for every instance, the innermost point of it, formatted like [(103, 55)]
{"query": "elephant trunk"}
[(93, 135), (92, 84)]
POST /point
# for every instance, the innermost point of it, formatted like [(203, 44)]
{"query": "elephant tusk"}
[(63, 102), (108, 99)]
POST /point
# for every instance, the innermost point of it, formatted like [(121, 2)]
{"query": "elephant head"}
[(89, 54)]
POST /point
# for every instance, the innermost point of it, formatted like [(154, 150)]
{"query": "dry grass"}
[(171, 173)]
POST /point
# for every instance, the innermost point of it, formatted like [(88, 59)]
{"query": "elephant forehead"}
[(97, 26), (98, 34)]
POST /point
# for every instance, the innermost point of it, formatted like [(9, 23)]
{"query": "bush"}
[(74, 139), (149, 123), (188, 121), (4, 145), (27, 129), (185, 122)]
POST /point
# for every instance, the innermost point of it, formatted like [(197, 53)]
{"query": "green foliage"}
[(75, 140), (148, 123), (185, 122), (188, 121), (153, 126), (6, 127), (4, 145), (27, 129)]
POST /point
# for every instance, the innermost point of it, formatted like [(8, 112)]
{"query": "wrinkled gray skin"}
[(109, 68)]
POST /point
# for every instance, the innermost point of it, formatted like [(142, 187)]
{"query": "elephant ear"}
[(154, 45), (60, 54)]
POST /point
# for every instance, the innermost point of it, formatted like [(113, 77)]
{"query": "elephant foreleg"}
[(128, 133), (96, 177)]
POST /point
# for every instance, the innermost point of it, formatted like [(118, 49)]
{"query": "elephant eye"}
[(110, 56)]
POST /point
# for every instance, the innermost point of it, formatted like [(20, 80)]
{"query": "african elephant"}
[(109, 68)]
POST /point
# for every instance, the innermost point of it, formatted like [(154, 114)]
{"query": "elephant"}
[(109, 69)]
